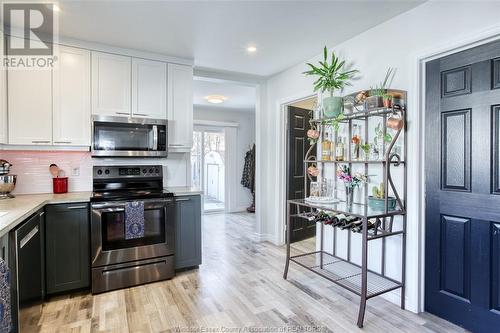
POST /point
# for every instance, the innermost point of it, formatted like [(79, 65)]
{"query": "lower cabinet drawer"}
[(133, 273)]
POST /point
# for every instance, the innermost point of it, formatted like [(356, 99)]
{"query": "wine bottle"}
[(347, 222)]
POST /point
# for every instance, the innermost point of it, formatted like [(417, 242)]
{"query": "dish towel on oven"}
[(134, 219), (5, 318)]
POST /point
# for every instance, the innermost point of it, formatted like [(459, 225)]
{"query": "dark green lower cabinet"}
[(188, 231), (67, 241)]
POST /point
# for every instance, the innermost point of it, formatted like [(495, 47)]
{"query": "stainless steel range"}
[(121, 259)]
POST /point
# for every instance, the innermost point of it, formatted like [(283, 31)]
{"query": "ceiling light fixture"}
[(215, 99), (252, 49)]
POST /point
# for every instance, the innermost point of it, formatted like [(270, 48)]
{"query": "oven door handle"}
[(120, 206), (109, 210)]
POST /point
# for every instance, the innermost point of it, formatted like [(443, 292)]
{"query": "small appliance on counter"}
[(132, 227), (59, 182), (7, 182)]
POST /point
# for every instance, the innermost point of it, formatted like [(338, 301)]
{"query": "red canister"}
[(60, 185)]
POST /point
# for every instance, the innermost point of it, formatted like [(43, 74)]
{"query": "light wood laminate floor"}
[(239, 284)]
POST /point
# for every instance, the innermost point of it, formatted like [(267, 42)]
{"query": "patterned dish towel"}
[(6, 320), (134, 220)]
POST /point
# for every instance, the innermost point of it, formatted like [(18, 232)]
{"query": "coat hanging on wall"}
[(248, 177)]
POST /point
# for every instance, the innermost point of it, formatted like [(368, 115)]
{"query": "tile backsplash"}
[(33, 176)]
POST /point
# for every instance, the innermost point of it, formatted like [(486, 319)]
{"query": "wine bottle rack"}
[(371, 224)]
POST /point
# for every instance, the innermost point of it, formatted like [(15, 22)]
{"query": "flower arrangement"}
[(313, 136), (351, 181), (313, 171)]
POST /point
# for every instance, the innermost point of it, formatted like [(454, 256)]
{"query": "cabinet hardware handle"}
[(124, 113), (40, 141), (185, 199), (67, 142), (28, 237), (141, 114), (77, 207), (176, 144)]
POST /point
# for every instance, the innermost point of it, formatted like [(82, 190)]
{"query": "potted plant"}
[(351, 182), (377, 200), (332, 77), (378, 95)]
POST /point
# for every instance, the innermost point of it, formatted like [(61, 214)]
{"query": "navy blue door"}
[(462, 262)]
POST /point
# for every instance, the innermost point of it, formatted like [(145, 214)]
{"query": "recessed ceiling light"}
[(251, 49), (215, 99)]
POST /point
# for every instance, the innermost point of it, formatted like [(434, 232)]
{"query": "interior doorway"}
[(208, 166), (299, 114)]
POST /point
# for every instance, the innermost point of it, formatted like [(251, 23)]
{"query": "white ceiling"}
[(239, 97), (216, 33)]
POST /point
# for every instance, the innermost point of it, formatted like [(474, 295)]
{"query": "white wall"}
[(395, 43), (245, 136)]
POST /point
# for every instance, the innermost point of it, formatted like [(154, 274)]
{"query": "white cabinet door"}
[(149, 89), (180, 106), (3, 98), (71, 98), (30, 106), (111, 79)]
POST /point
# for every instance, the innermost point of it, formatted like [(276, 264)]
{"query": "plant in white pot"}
[(332, 78)]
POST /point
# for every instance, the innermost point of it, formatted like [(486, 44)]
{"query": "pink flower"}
[(313, 171), (312, 134)]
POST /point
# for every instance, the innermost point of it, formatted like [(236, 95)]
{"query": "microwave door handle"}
[(155, 137)]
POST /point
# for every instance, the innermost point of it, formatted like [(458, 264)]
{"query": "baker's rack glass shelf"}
[(376, 223)]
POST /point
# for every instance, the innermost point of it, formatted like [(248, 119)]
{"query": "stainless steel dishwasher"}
[(26, 263)]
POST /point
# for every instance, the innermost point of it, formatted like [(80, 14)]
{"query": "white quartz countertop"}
[(15, 210), (180, 191)]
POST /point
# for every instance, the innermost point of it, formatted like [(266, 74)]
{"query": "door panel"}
[(455, 256), (455, 158), (462, 266), (298, 124)]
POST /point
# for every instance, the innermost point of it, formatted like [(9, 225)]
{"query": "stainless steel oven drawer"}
[(132, 273)]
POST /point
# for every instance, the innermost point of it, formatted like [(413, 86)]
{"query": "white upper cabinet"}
[(29, 105), (111, 84), (3, 98), (149, 89), (71, 98), (180, 106)]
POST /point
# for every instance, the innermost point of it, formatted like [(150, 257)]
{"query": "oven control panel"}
[(125, 171)]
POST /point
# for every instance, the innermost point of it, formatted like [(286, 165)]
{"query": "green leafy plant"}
[(378, 191), (365, 147), (331, 74), (381, 88), (379, 135), (334, 122)]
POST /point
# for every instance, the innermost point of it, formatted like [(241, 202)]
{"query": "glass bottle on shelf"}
[(340, 150), (326, 148), (356, 142)]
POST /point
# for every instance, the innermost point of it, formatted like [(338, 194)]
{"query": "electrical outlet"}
[(75, 171)]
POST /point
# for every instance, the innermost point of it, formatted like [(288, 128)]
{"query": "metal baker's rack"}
[(355, 277)]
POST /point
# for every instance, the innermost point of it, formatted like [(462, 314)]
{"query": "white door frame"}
[(415, 262)]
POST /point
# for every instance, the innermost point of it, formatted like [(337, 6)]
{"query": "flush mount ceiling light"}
[(215, 99), (252, 49)]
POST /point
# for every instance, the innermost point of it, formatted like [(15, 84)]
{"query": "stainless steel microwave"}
[(129, 137)]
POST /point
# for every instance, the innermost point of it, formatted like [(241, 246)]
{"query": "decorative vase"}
[(374, 102), (332, 106), (349, 195), (387, 102)]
